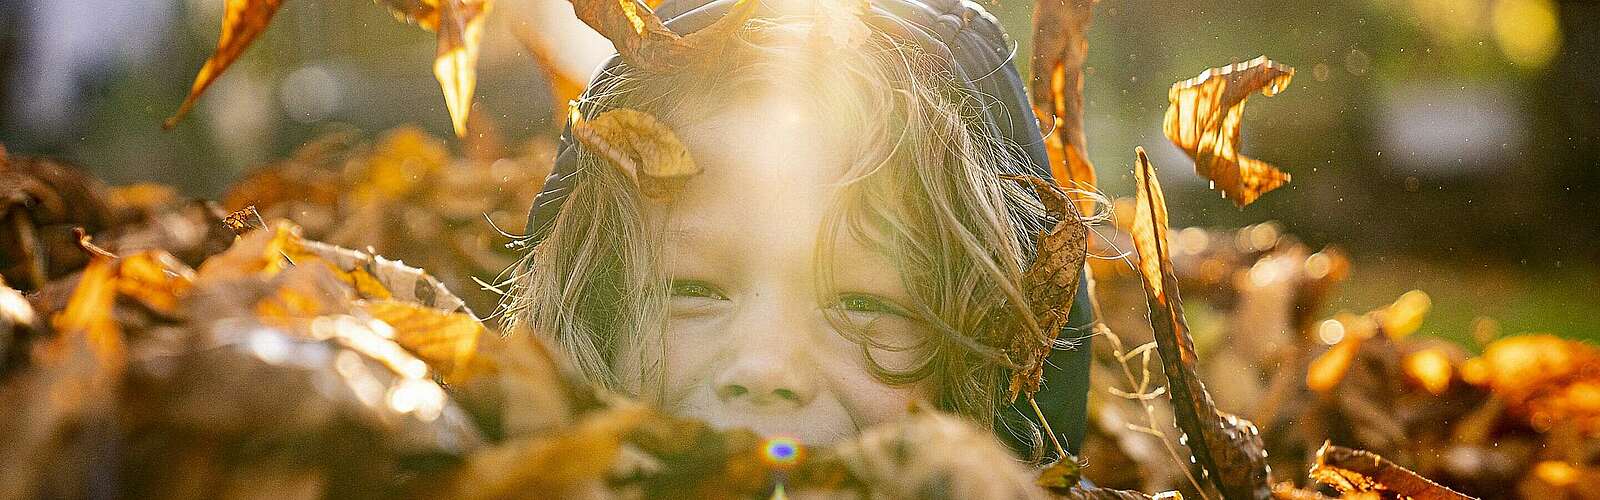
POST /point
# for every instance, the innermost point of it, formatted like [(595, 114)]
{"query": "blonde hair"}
[(925, 189)]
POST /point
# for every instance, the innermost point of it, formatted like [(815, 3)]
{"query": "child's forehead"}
[(772, 145)]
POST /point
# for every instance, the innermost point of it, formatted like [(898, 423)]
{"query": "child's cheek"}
[(867, 398)]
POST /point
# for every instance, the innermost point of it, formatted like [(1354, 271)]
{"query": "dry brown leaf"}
[(447, 341), (645, 43), (643, 147), (241, 22), (1357, 471), (1059, 50), (1227, 447), (1204, 116), (1050, 283)]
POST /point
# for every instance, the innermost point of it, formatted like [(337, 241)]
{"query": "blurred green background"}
[(1447, 145)]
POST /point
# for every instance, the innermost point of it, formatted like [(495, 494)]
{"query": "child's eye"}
[(693, 288)]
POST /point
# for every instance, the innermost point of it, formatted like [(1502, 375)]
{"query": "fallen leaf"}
[(1059, 50), (241, 22), (155, 279), (1357, 471), (642, 147), (1227, 447), (1050, 283), (446, 341), (1204, 118)]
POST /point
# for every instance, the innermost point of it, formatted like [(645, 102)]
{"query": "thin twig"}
[(1061, 452), (1138, 386)]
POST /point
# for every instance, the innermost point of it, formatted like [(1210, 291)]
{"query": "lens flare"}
[(781, 451)]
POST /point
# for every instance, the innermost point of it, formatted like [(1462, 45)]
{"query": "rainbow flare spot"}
[(781, 451)]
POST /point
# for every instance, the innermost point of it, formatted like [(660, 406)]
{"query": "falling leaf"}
[(458, 23), (645, 43), (1050, 283), (241, 22), (1204, 118), (1357, 471), (446, 341), (642, 147), (455, 65), (1059, 50), (1227, 447)]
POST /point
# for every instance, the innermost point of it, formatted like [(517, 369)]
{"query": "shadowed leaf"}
[(1228, 448), (1059, 50), (1050, 283)]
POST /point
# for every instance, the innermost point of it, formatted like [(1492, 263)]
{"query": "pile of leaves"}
[(183, 350), (155, 346), (1512, 416)]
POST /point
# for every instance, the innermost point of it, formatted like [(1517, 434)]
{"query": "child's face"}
[(748, 342)]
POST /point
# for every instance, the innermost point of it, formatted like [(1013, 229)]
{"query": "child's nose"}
[(765, 376)]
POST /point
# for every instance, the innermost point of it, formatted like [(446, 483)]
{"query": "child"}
[(848, 249)]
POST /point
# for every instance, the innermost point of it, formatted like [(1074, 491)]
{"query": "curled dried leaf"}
[(1356, 471), (1059, 50), (1204, 117), (242, 20), (1229, 448), (1049, 283), (642, 147)]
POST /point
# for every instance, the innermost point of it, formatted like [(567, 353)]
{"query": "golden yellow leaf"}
[(1228, 447), (455, 64), (555, 465), (155, 279), (1405, 315), (88, 315), (644, 148), (241, 22), (446, 341), (1149, 223), (1430, 368), (1204, 117)]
